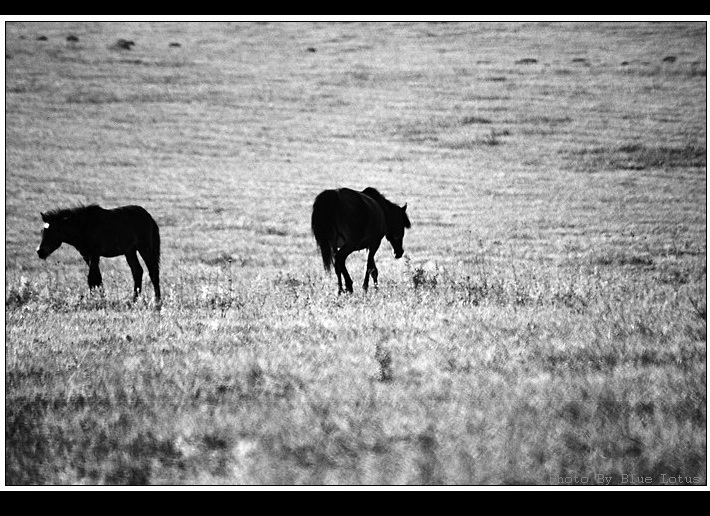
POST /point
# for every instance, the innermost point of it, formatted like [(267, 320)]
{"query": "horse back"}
[(130, 218), (118, 230), (359, 219)]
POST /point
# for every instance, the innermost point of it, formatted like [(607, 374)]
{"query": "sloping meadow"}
[(547, 324)]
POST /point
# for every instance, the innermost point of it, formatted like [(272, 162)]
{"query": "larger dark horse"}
[(344, 221), (96, 232)]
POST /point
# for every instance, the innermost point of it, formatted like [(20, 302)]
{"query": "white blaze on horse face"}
[(46, 226)]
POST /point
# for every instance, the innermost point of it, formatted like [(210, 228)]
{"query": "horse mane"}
[(382, 201), (62, 213), (376, 195)]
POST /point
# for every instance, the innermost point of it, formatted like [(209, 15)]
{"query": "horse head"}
[(52, 236), (395, 234)]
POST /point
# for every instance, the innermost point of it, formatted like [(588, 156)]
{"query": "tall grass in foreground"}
[(477, 374)]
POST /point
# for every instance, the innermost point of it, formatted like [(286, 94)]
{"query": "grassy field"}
[(547, 325)]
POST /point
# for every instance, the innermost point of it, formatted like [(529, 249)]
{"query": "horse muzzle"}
[(42, 253), (398, 254)]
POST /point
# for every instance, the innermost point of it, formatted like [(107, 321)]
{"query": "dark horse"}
[(97, 232), (344, 221)]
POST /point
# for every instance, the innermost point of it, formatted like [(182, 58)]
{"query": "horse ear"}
[(404, 208), (44, 217)]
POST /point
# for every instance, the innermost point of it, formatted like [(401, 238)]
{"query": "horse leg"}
[(137, 272), (94, 272), (153, 271), (371, 269), (348, 280), (340, 258), (338, 271), (339, 274)]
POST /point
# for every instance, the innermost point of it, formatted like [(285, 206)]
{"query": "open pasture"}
[(547, 323)]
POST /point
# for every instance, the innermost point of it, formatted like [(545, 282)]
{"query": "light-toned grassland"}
[(548, 319)]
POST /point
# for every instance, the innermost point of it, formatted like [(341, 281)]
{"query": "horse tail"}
[(323, 224), (151, 239)]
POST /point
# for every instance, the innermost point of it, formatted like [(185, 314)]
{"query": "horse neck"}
[(73, 233), (387, 209)]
